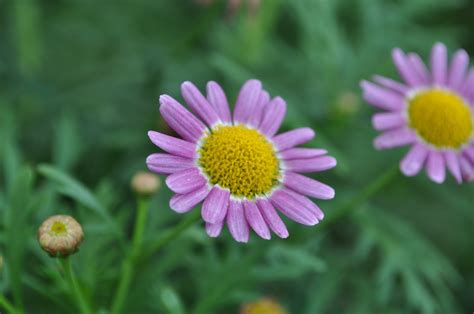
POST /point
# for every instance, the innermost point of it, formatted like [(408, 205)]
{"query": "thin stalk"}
[(74, 286), (361, 198), (5, 304), (130, 261), (172, 233)]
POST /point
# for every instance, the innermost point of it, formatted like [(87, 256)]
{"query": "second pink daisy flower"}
[(432, 111)]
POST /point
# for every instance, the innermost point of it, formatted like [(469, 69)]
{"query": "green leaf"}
[(69, 186), (17, 229), (67, 145), (171, 301)]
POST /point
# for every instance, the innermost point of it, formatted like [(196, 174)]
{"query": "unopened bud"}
[(60, 235), (145, 183)]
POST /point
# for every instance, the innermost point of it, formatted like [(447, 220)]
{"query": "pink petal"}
[(215, 206), (247, 101), (306, 202), (182, 203), (185, 181), (467, 169), (382, 98), (293, 138), (237, 223), (218, 100), (395, 138), (469, 153), (292, 208), (420, 68), (214, 230), (255, 220), (388, 120), (198, 103), (413, 162), (165, 164), (467, 87), (315, 164), (257, 114), (458, 69), (435, 167), (272, 219), (308, 186), (273, 116), (173, 145), (391, 84), (452, 162), (180, 119), (302, 153), (405, 68), (439, 64)]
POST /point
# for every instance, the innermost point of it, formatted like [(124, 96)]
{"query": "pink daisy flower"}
[(236, 165), (432, 111)]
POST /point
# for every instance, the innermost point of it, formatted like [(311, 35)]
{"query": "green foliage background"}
[(79, 84)]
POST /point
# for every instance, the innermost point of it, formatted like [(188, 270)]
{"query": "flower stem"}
[(359, 199), (5, 304), (131, 259), (172, 233), (74, 285)]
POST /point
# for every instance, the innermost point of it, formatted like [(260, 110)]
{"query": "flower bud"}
[(60, 235), (145, 183), (263, 306), (347, 103)]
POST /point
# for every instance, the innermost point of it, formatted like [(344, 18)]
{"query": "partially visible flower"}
[(237, 165), (234, 5), (263, 306), (145, 183), (432, 111), (60, 235)]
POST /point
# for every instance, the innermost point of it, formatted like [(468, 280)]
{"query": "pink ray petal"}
[(215, 206), (181, 120), (218, 100), (173, 145), (198, 103), (185, 181), (237, 223)]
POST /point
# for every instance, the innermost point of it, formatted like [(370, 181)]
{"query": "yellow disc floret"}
[(59, 228), (240, 159), (441, 118)]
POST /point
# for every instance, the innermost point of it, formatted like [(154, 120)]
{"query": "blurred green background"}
[(79, 87)]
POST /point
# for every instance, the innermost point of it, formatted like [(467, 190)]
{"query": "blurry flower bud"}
[(347, 103), (263, 306), (60, 235), (145, 183)]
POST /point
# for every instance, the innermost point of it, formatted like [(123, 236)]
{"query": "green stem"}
[(4, 303), (359, 199), (172, 234), (74, 285), (353, 203), (130, 261)]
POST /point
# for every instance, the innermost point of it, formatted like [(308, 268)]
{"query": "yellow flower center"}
[(240, 159), (264, 306), (58, 228), (441, 118)]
